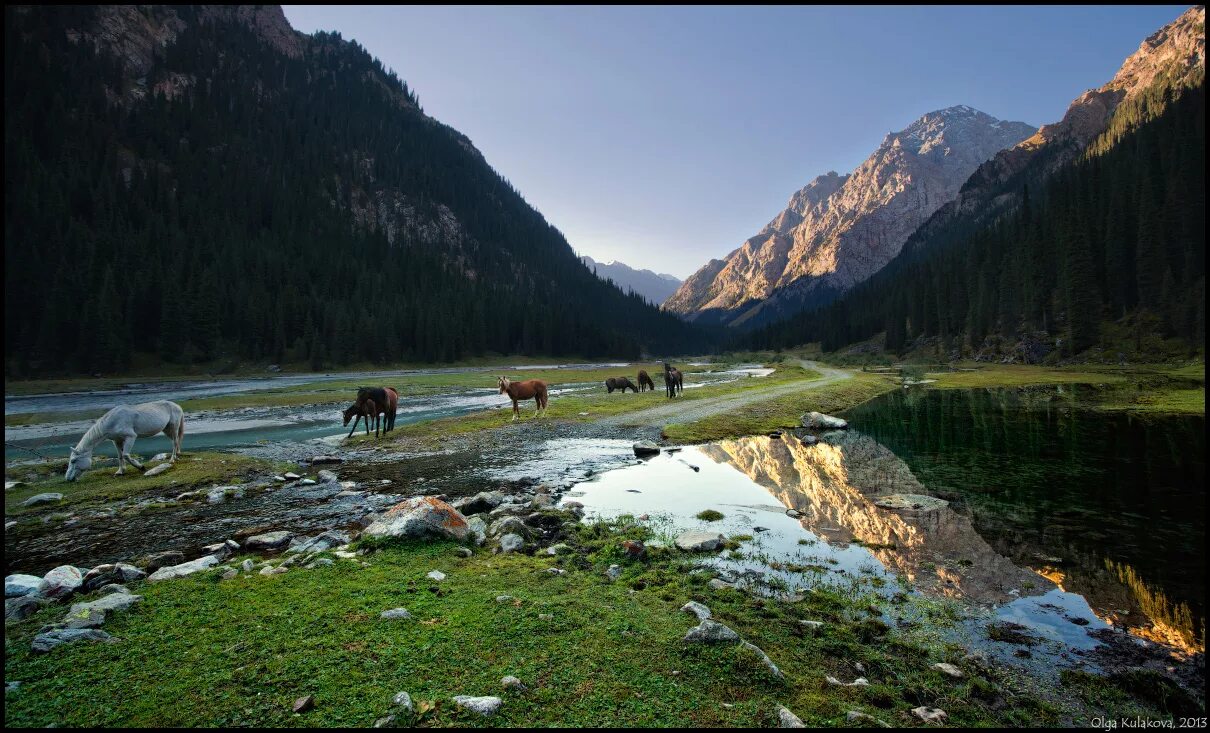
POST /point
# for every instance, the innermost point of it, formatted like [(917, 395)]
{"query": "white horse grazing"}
[(122, 425)]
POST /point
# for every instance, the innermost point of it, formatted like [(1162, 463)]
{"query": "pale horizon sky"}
[(664, 137)]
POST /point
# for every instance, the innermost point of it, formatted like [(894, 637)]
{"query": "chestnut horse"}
[(622, 383), (645, 381), (385, 402), (674, 381), (534, 388)]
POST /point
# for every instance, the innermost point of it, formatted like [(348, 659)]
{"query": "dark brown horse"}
[(622, 383), (674, 381), (534, 388), (645, 381), (360, 409), (385, 401)]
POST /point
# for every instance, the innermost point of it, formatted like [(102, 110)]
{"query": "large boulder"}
[(697, 541), (820, 421), (420, 517), (22, 607), (103, 575), (711, 632), (45, 642), (61, 582), (21, 585), (187, 568), (111, 602), (268, 541)]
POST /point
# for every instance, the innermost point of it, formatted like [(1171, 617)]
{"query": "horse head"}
[(504, 383), (349, 412), (79, 462)]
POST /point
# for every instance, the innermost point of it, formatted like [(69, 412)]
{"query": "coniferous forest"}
[(229, 204), (1108, 252)]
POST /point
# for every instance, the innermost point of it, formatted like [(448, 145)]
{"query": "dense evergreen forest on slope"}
[(250, 204), (1109, 252)]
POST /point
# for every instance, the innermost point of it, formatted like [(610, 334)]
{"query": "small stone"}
[(84, 618), (511, 543), (634, 549), (614, 572), (546, 616), (948, 669), (485, 706), (36, 499), (163, 467), (386, 721), (717, 584), (787, 719), (403, 701), (511, 683), (558, 549), (465, 552), (503, 599), (229, 574), (812, 625), (268, 541), (303, 704), (697, 609), (556, 571), (327, 477), (163, 559), (934, 716), (697, 541), (290, 475), (395, 613), (859, 682), (856, 716), (646, 448), (436, 575), (247, 565), (711, 632)]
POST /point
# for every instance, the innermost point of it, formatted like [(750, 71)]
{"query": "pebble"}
[(948, 669), (511, 683), (395, 613), (436, 575), (303, 704), (485, 706)]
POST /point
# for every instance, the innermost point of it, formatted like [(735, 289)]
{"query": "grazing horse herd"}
[(124, 423)]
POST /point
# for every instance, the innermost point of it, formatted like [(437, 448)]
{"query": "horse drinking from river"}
[(534, 388), (383, 401), (122, 425), (358, 410)]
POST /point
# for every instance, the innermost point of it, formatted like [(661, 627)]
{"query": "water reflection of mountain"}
[(1110, 506), (837, 485)]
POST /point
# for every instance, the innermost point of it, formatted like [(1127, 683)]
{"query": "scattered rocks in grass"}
[(820, 421), (157, 470), (634, 549), (303, 704), (511, 683), (558, 549), (48, 498), (697, 609), (386, 721), (711, 632), (320, 543), (111, 602), (18, 584), (948, 669), (61, 582), (556, 571), (812, 625), (247, 565), (179, 571), (10, 485), (696, 541), (46, 641), (321, 562), (503, 598), (395, 613), (859, 682), (220, 494), (268, 541), (511, 543), (230, 574), (465, 552), (717, 584), (436, 575), (934, 716), (546, 617), (111, 573), (614, 572), (485, 706), (163, 559), (84, 618), (421, 517), (270, 570), (787, 719)]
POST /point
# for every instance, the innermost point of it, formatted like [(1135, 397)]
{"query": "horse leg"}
[(119, 443), (180, 437), (516, 411), (355, 421), (129, 445)]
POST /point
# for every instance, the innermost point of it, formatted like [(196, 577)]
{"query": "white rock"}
[(949, 669), (711, 632), (697, 609), (485, 706), (157, 470), (935, 716), (787, 719), (42, 499), (403, 701), (21, 585), (395, 613), (698, 541), (512, 683), (185, 568), (60, 582), (436, 575)]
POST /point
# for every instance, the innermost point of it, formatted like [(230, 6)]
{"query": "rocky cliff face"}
[(838, 230), (1175, 53), (654, 286)]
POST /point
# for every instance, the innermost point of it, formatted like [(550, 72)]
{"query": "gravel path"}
[(690, 410)]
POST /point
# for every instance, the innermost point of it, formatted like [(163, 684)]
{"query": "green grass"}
[(203, 652), (1011, 375), (192, 470), (782, 412), (710, 515)]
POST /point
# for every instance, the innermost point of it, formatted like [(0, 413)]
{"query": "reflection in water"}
[(1106, 505), (838, 485)]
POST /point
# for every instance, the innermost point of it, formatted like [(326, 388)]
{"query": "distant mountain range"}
[(838, 230), (654, 286)]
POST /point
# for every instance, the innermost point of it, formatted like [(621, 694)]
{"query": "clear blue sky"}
[(666, 136)]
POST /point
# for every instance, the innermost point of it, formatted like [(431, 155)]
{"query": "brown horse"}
[(674, 381), (534, 388), (645, 381), (385, 401), (622, 383), (363, 408)]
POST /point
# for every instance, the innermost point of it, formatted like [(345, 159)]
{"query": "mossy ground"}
[(205, 652)]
